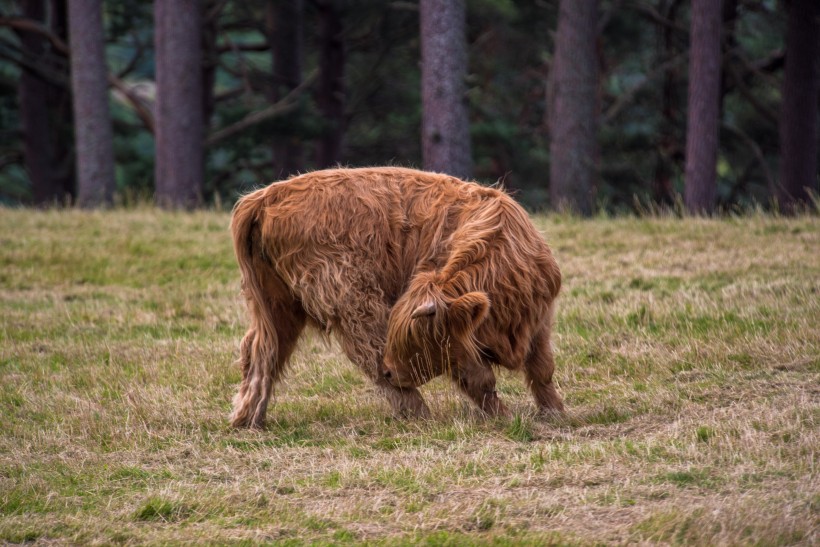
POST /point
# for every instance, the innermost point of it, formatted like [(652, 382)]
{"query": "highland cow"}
[(416, 274)]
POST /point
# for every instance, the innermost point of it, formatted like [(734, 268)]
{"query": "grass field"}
[(688, 354)]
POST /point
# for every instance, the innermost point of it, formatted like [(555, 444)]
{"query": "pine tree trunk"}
[(331, 94), (33, 92), (573, 107), (669, 146), (92, 119), (704, 107), (445, 122), (61, 115), (798, 116), (210, 60), (286, 29), (178, 171)]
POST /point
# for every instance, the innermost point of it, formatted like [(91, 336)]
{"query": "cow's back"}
[(335, 234)]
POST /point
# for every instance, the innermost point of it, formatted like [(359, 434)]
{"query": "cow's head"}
[(428, 331)]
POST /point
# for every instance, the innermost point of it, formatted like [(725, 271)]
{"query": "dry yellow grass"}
[(688, 353)]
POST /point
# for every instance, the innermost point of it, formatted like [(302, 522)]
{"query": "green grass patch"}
[(687, 352), (689, 478), (520, 429), (159, 509)]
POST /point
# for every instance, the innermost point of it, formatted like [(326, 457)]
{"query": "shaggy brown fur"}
[(417, 274)]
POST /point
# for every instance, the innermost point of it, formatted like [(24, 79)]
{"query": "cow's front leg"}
[(406, 402), (539, 368), (477, 381), (364, 345)]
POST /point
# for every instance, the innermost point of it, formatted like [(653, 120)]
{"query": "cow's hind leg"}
[(477, 381), (538, 369), (263, 353)]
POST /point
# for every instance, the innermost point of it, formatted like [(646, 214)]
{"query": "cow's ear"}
[(424, 310), (469, 310)]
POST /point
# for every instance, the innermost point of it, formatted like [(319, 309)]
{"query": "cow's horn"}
[(428, 308)]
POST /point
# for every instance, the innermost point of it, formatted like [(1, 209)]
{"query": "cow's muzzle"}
[(392, 376)]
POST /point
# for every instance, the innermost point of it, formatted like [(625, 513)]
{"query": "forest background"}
[(285, 87), (688, 350)]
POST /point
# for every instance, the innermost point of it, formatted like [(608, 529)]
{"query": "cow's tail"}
[(258, 350)]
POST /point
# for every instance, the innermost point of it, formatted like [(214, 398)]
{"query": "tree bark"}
[(92, 119), (798, 116), (728, 46), (331, 93), (445, 122), (573, 108), (33, 92), (670, 148), (704, 107), (178, 170), (61, 114), (210, 61), (285, 35)]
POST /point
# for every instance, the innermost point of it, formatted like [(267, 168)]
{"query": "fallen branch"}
[(142, 110), (132, 64), (233, 48), (655, 16), (626, 97), (11, 52), (229, 94), (215, 11), (286, 104), (756, 151), (766, 112), (28, 25)]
